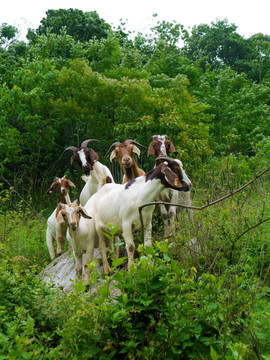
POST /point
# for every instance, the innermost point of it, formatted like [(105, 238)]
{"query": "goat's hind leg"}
[(50, 240), (87, 260)]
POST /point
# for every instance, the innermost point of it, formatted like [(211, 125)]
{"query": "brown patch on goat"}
[(108, 180)]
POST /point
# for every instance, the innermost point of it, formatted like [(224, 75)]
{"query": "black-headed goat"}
[(97, 173), (117, 204), (162, 145)]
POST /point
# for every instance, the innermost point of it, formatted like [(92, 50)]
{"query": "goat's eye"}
[(64, 216)]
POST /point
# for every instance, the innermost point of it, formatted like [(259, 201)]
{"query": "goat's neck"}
[(132, 172), (146, 190), (65, 199), (97, 172), (151, 190)]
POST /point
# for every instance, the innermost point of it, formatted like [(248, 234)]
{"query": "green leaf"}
[(119, 261)]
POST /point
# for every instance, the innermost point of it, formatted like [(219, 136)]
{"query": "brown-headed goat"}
[(160, 146), (125, 153), (82, 236), (55, 231)]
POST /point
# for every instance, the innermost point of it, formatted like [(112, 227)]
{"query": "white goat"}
[(55, 231), (161, 145), (82, 236), (117, 204), (99, 175)]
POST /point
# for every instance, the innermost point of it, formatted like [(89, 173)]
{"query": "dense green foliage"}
[(77, 78)]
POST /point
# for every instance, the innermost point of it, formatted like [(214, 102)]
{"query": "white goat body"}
[(99, 176), (117, 204)]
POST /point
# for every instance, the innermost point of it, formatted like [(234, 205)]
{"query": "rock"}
[(61, 272)]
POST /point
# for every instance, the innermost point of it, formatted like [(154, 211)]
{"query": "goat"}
[(117, 204), (124, 152), (83, 156), (82, 236), (98, 174), (55, 231), (161, 145)]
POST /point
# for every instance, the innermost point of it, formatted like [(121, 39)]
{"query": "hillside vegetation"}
[(201, 293)]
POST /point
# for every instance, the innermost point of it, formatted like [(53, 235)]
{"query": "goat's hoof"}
[(59, 254)]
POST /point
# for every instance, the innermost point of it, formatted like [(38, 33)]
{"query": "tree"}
[(7, 35), (82, 26)]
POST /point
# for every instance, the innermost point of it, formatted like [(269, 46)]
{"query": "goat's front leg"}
[(78, 260), (60, 238), (165, 218), (130, 246), (172, 217), (116, 240)]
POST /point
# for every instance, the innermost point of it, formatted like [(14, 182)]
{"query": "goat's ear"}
[(59, 214), (171, 178), (172, 148), (51, 189), (93, 156), (70, 184), (151, 150), (113, 156), (136, 150), (83, 213)]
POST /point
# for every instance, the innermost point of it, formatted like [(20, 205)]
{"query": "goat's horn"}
[(112, 146), (135, 143), (86, 142), (165, 158), (72, 148)]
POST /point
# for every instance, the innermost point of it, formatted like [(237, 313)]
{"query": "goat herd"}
[(103, 203)]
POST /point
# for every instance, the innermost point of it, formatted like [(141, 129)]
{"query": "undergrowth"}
[(203, 293)]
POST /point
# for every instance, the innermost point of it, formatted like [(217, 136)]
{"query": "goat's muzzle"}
[(186, 187), (127, 162), (86, 170), (73, 226)]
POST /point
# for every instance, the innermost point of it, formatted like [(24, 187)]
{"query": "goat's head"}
[(84, 156), (71, 214), (124, 152), (160, 145), (173, 174), (61, 184)]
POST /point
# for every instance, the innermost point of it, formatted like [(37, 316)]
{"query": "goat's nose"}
[(73, 225)]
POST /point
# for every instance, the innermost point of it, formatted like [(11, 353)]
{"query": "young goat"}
[(55, 231), (161, 145), (98, 174), (117, 204), (82, 236), (125, 153)]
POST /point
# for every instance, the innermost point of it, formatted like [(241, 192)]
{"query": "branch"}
[(200, 207)]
